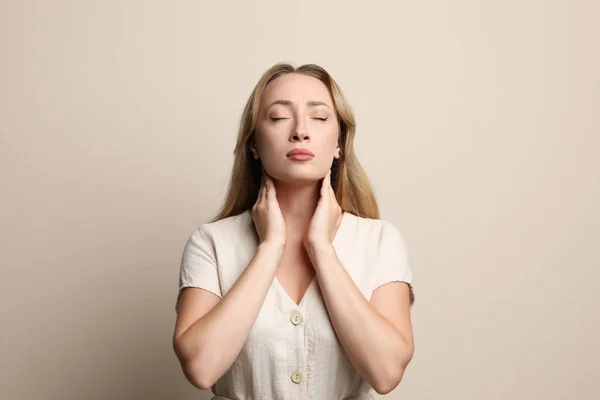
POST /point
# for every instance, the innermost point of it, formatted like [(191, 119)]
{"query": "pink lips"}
[(300, 154)]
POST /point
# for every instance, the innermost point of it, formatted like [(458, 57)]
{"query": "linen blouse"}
[(292, 351)]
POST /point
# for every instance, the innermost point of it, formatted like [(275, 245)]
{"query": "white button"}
[(296, 377), (296, 318)]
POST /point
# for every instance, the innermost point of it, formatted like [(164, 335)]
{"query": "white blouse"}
[(292, 352)]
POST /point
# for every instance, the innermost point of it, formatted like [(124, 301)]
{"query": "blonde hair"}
[(352, 188)]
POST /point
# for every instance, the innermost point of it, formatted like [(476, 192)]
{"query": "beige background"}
[(478, 123)]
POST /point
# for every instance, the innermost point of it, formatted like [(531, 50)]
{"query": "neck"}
[(297, 204)]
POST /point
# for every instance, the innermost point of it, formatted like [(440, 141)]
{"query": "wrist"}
[(271, 247), (320, 246)]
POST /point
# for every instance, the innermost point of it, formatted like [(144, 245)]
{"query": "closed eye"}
[(320, 119)]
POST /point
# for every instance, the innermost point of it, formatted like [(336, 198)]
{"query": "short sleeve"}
[(391, 262), (198, 265)]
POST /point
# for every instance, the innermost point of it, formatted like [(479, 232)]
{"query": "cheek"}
[(331, 142), (270, 147), (264, 139), (268, 144)]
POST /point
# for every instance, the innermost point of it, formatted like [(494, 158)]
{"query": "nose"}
[(299, 133)]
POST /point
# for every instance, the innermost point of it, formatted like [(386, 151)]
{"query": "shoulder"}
[(238, 226), (371, 228), (374, 235)]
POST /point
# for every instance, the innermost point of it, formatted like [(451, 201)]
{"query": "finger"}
[(264, 193), (271, 195), (324, 190), (332, 196), (259, 195), (268, 181)]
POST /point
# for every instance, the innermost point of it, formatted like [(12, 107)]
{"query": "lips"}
[(300, 152)]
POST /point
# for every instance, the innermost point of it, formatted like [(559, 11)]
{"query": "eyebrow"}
[(289, 103)]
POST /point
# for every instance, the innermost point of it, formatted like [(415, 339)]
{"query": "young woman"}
[(296, 289)]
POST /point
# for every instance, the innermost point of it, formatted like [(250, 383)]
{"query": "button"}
[(296, 318), (296, 377)]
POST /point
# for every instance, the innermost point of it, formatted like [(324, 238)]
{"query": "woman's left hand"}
[(326, 218)]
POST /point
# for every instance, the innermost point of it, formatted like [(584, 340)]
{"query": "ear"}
[(336, 152), (253, 150)]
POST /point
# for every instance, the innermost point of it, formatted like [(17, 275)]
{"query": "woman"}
[(296, 290)]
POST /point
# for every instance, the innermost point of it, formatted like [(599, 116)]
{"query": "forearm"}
[(378, 350), (211, 344)]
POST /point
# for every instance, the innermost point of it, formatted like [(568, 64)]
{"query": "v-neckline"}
[(335, 243), (287, 296)]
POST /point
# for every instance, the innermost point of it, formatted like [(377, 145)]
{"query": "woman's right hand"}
[(266, 214)]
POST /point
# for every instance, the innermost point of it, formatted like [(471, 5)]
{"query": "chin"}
[(300, 175)]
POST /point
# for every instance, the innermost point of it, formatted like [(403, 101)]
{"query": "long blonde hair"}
[(352, 188)]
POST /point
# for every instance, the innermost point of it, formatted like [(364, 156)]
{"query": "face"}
[(296, 112)]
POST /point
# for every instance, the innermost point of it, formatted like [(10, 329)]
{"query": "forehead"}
[(297, 88)]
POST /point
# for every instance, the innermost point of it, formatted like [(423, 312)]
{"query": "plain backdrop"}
[(478, 125)]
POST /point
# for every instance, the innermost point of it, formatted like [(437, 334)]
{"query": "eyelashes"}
[(274, 119)]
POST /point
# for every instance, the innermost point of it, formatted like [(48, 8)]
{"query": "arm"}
[(376, 336), (209, 332)]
